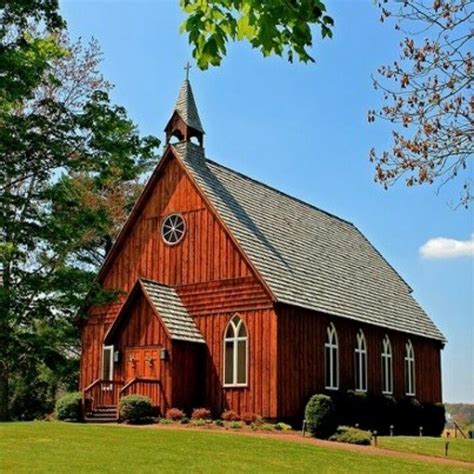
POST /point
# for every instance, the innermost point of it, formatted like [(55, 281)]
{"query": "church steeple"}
[(185, 123)]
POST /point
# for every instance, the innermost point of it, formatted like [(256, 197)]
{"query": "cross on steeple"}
[(187, 68)]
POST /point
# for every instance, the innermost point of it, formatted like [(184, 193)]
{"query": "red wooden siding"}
[(207, 253), (260, 395), (214, 281), (301, 338)]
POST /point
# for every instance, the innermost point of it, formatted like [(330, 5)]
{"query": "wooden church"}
[(234, 295)]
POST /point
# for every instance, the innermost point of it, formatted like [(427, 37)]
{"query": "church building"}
[(234, 295)]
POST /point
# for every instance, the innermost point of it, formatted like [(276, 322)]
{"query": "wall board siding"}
[(301, 338), (207, 253), (260, 395), (207, 269)]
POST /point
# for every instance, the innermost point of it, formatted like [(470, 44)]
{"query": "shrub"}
[(235, 425), (267, 427), (283, 427), (356, 409), (433, 419), (348, 434), (385, 412), (135, 409), (184, 420), (219, 423), (174, 414), (201, 414), (166, 421), (230, 415), (409, 417), (199, 422), (68, 407), (320, 416), (249, 418)]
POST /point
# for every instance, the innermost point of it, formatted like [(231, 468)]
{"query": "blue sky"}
[(304, 130)]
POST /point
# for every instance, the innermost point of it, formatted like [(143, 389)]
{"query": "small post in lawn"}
[(421, 431), (391, 430), (304, 428), (446, 446), (374, 434)]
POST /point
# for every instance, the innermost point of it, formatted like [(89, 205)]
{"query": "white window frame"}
[(332, 344), (111, 366), (360, 352), (235, 343), (410, 389), (387, 366)]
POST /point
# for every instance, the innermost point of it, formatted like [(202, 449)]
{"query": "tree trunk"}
[(4, 414)]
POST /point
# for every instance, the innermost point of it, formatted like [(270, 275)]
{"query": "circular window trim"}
[(183, 233)]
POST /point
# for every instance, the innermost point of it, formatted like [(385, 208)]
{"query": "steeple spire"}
[(185, 123)]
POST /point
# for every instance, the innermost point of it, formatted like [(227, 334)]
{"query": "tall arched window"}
[(331, 358), (235, 353), (409, 368), (387, 366), (360, 362)]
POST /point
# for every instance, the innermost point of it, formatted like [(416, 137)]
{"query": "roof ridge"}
[(282, 193)]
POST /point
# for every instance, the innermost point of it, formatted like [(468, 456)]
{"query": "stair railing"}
[(136, 381), (100, 392)]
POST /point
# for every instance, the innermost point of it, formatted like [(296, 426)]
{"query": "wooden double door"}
[(142, 362)]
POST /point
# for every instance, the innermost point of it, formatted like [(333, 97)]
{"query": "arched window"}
[(409, 368), (331, 358), (235, 353), (361, 362), (387, 366)]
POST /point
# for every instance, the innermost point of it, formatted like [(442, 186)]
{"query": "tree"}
[(427, 95), (69, 159), (274, 27)]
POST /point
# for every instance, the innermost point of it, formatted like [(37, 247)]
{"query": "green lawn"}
[(60, 447), (461, 449)]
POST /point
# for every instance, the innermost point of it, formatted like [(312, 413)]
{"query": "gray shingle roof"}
[(173, 314), (308, 257), (186, 107)]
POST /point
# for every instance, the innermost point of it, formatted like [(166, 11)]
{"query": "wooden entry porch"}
[(141, 368)]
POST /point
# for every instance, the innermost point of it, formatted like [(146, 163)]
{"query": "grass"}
[(460, 449), (52, 447)]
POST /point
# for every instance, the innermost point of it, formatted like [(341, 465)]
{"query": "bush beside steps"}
[(136, 409), (68, 407)]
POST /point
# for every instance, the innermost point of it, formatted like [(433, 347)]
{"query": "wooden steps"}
[(103, 414)]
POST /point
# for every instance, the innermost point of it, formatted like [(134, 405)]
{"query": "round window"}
[(173, 229)]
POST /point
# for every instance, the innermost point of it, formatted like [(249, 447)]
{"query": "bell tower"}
[(185, 123)]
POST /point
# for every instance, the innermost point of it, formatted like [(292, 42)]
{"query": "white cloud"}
[(441, 247)]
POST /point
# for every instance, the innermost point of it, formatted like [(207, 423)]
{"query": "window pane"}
[(328, 367), (230, 331), (364, 372), (407, 389), (229, 362), (106, 371), (357, 371), (241, 362), (242, 330)]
